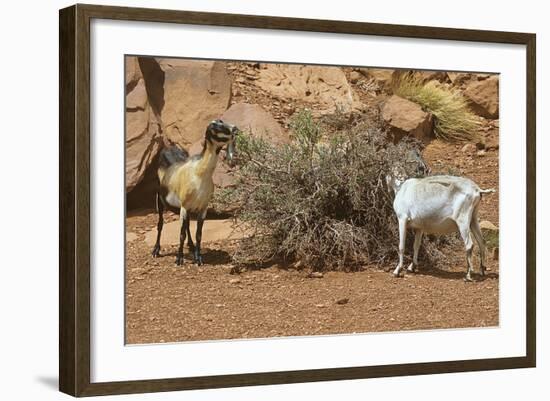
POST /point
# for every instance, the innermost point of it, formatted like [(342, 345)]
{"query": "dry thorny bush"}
[(322, 201)]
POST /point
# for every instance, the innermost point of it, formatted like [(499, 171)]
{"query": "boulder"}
[(195, 92), (404, 117), (440, 76), (143, 141), (483, 97), (459, 78), (254, 120), (326, 87), (382, 76)]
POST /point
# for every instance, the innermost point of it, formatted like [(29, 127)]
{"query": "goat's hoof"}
[(468, 279), (396, 275), (179, 260), (198, 260), (156, 252)]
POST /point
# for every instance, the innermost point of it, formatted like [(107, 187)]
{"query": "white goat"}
[(438, 205)]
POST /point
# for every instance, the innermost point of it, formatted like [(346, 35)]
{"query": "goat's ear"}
[(208, 135)]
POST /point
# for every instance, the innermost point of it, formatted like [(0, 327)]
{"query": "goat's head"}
[(222, 134), (414, 166), (395, 179), (417, 164)]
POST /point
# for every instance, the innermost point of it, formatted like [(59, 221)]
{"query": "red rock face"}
[(195, 93), (143, 126), (326, 87), (255, 121)]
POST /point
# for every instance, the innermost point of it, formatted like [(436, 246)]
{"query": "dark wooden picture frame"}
[(74, 200)]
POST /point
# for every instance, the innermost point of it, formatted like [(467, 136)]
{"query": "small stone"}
[(321, 306), (480, 144), (481, 153), (354, 77), (342, 301), (235, 281), (130, 236), (487, 225), (468, 148), (315, 275)]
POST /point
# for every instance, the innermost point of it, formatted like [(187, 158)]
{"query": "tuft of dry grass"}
[(454, 121), (323, 201)]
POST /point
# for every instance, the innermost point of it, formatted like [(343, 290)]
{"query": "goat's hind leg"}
[(417, 241), (184, 220), (190, 243), (468, 246), (160, 209), (476, 231)]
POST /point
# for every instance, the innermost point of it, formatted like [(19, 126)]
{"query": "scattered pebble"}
[(315, 275), (342, 301), (235, 281), (468, 148)]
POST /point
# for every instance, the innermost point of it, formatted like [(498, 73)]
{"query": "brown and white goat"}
[(186, 184)]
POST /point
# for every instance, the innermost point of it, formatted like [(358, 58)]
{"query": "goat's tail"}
[(487, 191), (169, 156)]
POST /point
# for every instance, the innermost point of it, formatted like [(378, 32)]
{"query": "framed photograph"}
[(250, 200)]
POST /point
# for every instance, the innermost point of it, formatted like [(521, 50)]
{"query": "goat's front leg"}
[(184, 220), (198, 238), (402, 238)]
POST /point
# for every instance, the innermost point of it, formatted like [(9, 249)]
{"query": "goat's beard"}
[(229, 152)]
